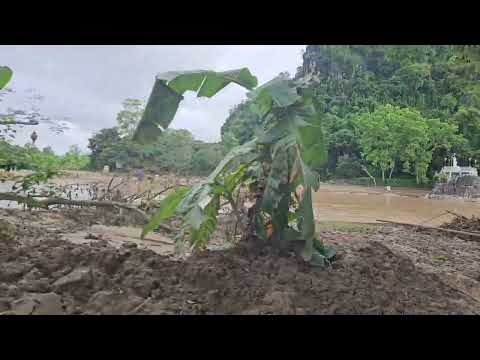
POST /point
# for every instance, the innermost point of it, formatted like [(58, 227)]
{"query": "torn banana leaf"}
[(168, 92)]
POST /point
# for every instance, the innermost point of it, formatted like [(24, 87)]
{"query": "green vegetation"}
[(277, 166), (176, 152), (346, 227), (393, 136), (31, 158), (430, 92)]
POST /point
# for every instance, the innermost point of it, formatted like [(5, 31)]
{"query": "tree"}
[(74, 159), (379, 144), (393, 135), (103, 148), (129, 117), (48, 150), (436, 80), (241, 124)]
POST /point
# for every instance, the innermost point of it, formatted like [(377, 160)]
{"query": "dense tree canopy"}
[(437, 85)]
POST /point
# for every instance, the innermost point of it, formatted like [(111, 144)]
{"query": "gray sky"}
[(85, 85)]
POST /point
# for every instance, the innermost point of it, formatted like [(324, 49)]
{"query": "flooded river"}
[(366, 205), (345, 203)]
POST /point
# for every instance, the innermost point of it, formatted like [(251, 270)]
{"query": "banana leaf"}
[(168, 92)]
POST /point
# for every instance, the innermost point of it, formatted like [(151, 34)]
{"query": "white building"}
[(456, 171)]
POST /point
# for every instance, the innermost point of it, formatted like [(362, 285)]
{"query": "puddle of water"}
[(345, 203)]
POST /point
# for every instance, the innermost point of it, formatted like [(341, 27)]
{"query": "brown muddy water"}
[(333, 202), (345, 203)]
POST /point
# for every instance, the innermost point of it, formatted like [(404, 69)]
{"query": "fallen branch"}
[(46, 203), (465, 233), (456, 215), (364, 168)]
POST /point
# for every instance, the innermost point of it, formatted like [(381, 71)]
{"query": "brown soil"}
[(41, 273)]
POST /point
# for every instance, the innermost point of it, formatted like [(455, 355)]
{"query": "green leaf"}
[(5, 75), (278, 92), (201, 224), (317, 259), (311, 141), (166, 210), (205, 82), (249, 148), (283, 144), (168, 90), (202, 190), (231, 180), (329, 252), (159, 113)]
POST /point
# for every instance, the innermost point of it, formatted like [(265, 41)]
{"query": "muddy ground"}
[(65, 262)]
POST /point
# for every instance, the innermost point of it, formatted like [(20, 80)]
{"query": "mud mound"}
[(58, 277), (463, 223)]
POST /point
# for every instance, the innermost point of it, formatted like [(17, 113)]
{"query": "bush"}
[(348, 167)]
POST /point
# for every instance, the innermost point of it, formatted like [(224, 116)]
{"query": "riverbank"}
[(87, 261)]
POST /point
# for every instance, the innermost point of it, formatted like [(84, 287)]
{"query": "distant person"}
[(139, 175)]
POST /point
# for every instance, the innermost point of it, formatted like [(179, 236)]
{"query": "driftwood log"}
[(47, 202)]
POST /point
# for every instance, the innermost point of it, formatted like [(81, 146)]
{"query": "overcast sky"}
[(85, 85)]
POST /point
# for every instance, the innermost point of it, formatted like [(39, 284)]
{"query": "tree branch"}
[(46, 203), (364, 168)]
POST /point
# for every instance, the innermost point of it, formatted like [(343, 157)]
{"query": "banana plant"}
[(278, 165)]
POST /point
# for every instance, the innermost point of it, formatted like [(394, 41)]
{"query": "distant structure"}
[(456, 171), (34, 137)]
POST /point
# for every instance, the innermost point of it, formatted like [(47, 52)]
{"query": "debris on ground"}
[(462, 223)]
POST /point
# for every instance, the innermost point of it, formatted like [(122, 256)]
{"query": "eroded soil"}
[(384, 271)]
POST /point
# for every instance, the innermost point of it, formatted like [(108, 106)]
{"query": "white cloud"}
[(87, 84)]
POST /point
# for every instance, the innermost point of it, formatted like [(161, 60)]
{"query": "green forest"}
[(396, 112)]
